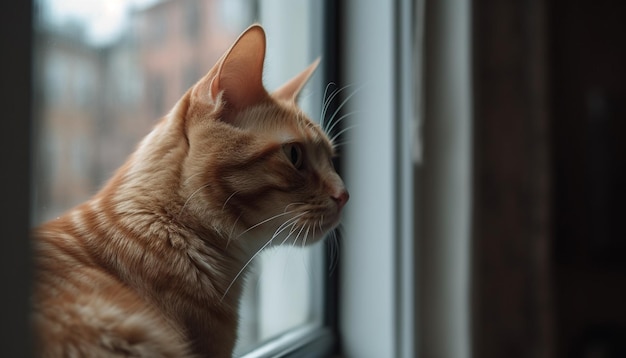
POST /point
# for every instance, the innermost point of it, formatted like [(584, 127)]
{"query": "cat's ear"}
[(291, 89), (238, 75)]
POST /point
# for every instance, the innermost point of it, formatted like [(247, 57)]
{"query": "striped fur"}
[(151, 266)]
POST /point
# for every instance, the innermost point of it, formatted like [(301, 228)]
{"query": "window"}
[(404, 272), (377, 297), (129, 62), (379, 45)]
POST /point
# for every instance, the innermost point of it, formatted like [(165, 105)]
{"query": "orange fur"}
[(150, 266)]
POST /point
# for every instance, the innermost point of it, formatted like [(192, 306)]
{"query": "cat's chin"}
[(331, 222)]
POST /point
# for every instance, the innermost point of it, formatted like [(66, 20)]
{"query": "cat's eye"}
[(294, 153)]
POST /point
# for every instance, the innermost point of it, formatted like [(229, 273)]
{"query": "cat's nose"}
[(341, 198)]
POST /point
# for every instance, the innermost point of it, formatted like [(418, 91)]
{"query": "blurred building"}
[(71, 74), (178, 41), (96, 102)]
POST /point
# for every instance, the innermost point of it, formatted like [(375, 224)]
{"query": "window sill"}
[(308, 341)]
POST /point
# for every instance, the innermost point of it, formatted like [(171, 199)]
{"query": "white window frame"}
[(405, 259), (376, 297)]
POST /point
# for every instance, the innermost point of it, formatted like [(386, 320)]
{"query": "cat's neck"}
[(149, 205), (147, 195)]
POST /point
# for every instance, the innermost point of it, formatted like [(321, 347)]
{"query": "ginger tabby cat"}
[(150, 266)]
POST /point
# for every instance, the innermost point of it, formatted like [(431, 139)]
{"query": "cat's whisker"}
[(306, 268), (334, 258), (337, 145), (230, 197), (284, 226), (306, 235), (285, 212), (291, 231), (334, 252), (326, 92), (292, 221), (232, 229), (327, 121), (288, 220), (288, 223), (319, 223), (191, 177), (264, 221), (295, 240), (341, 105), (329, 99), (327, 103), (343, 117), (331, 250), (342, 132), (337, 235), (242, 270), (191, 196), (288, 205), (294, 228)]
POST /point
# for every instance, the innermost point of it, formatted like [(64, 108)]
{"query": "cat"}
[(150, 266)]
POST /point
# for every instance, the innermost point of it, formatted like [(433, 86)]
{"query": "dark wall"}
[(512, 194), (588, 80), (15, 95), (549, 242)]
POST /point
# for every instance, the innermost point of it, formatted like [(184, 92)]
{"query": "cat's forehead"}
[(287, 124)]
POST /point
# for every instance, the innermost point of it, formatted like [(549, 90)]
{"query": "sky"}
[(103, 20)]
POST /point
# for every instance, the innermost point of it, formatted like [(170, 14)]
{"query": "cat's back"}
[(82, 310)]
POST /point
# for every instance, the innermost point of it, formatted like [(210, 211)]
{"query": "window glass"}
[(106, 71)]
